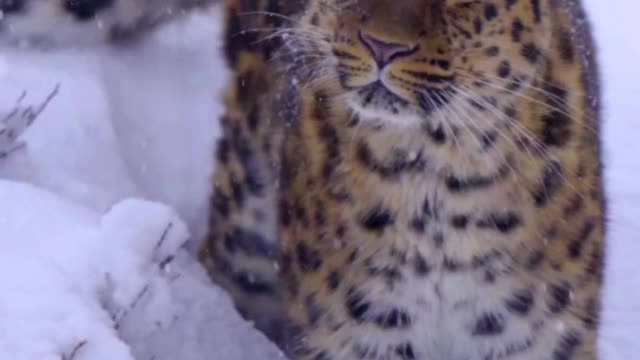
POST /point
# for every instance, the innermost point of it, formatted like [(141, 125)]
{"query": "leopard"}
[(397, 180), (411, 179)]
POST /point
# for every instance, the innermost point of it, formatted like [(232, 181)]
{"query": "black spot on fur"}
[(394, 319), (255, 185), (300, 213), (391, 274), (520, 302), (591, 316), (315, 19), (574, 206), (333, 279), (418, 224), (488, 139), (429, 77), (489, 324), (595, 263), (490, 12), (308, 259), (421, 266), (576, 246), (86, 9), (516, 30), (237, 191), (533, 260), (240, 144), (492, 51), (356, 304), (565, 46), (552, 179), (377, 218), (504, 69), (477, 25), (250, 243), (331, 140), (405, 351), (567, 346), (475, 182), (459, 221), (557, 122), (559, 297), (530, 52), (426, 207), (313, 309), (220, 203), (502, 222), (437, 135), (222, 151), (451, 264), (537, 15)]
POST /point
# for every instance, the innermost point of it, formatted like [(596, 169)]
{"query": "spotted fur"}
[(425, 175)]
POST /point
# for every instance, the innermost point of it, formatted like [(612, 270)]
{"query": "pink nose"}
[(384, 52)]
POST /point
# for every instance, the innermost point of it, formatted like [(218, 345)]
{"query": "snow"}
[(89, 269), (101, 188), (77, 271), (619, 56), (83, 275)]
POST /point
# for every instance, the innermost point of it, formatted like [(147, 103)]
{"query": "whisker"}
[(536, 101), (281, 16), (545, 153), (463, 109)]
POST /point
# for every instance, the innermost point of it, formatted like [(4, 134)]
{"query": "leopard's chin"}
[(376, 103)]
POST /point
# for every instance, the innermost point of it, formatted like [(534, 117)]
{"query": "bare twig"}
[(164, 262), (74, 351), (163, 237), (134, 304), (29, 112), (16, 121)]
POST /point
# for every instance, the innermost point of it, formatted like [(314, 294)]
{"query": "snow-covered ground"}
[(90, 270)]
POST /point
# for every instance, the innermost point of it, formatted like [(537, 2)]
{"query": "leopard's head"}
[(404, 61)]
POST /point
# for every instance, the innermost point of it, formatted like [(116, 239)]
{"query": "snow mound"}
[(78, 285)]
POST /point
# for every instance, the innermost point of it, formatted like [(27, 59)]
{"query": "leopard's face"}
[(408, 61)]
